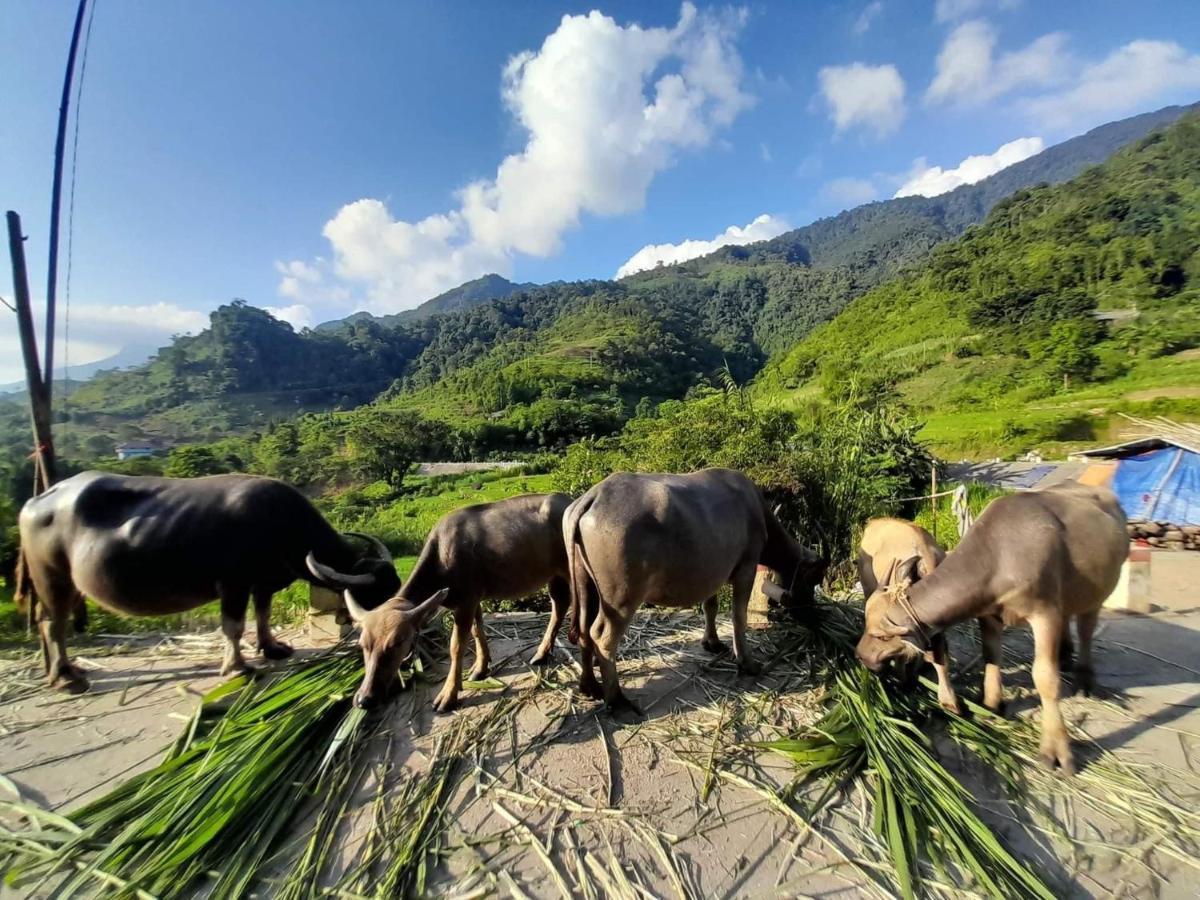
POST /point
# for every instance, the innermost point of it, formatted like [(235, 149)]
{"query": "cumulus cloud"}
[(969, 72), (861, 95), (98, 331), (1128, 79), (929, 181), (762, 228), (298, 315), (870, 12), (605, 108), (849, 192), (953, 10)]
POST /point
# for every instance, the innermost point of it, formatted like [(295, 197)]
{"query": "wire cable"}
[(87, 40)]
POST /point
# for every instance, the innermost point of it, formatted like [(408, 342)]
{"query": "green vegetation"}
[(1068, 304)]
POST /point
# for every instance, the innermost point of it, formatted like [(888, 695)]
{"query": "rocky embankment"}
[(1166, 535)]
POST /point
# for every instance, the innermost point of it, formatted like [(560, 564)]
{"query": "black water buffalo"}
[(144, 546), (502, 550), (672, 540)]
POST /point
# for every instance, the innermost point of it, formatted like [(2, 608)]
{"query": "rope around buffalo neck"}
[(899, 595)]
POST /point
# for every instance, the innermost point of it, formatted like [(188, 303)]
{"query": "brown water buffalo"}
[(893, 555), (671, 540), (502, 550), (1040, 557), (144, 546)]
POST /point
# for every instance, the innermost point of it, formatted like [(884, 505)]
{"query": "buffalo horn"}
[(335, 578), (373, 541), (357, 613)]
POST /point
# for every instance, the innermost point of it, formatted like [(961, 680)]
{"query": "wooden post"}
[(39, 400), (933, 499)]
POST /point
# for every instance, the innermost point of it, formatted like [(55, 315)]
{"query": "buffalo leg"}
[(56, 598), (560, 597), (939, 655), (1047, 677), (80, 616), (268, 645), (1085, 675), (991, 635), (712, 643), (233, 626), (588, 685), (483, 656), (464, 617), (743, 584), (607, 632)]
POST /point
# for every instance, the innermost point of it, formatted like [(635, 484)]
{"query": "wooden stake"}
[(39, 400), (933, 499)]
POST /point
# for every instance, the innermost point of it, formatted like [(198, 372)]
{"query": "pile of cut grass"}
[(923, 815), (216, 808)]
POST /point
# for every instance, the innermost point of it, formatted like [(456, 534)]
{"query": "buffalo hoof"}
[(751, 667), (276, 650), (542, 658), (241, 667), (445, 702), (1058, 752), (1085, 681), (590, 687), (479, 673), (70, 680), (951, 706), (715, 646)]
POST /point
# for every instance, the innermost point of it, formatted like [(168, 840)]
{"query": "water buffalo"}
[(894, 554), (1040, 557), (502, 550), (144, 546), (671, 540)]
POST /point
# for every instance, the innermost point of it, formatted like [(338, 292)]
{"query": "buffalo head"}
[(883, 641), (388, 635), (370, 581)]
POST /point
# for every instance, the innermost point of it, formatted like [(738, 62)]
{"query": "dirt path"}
[(614, 804)]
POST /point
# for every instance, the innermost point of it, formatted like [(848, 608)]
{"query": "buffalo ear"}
[(421, 614), (907, 572)]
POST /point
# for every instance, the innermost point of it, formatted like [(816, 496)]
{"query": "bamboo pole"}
[(39, 399)]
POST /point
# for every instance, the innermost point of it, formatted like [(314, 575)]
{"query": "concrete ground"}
[(558, 797)]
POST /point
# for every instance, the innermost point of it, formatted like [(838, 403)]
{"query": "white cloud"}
[(764, 152), (870, 12), (863, 95), (953, 10), (762, 228), (97, 331), (849, 192), (970, 73), (1129, 79), (606, 108), (929, 181), (297, 315)]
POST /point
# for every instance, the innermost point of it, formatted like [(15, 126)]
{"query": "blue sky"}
[(315, 157)]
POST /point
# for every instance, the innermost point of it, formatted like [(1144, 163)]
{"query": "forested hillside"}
[(546, 364), (472, 293), (1068, 304)]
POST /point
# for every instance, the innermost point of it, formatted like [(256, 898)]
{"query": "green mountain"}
[(547, 363), (472, 293), (1067, 305)]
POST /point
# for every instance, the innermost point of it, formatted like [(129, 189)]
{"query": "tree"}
[(192, 462), (1067, 349), (384, 444)]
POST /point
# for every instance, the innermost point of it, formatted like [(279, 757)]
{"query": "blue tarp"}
[(1160, 485)]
